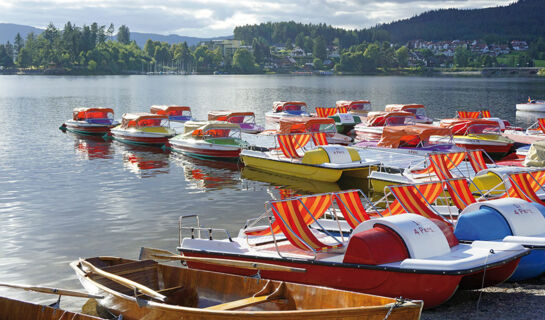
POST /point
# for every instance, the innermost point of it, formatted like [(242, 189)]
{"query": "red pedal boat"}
[(405, 255)]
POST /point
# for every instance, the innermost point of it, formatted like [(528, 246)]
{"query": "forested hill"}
[(523, 20)]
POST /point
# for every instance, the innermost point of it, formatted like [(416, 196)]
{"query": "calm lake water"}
[(64, 197)]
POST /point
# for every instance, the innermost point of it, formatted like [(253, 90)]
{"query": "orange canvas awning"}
[(301, 124), (279, 106), (393, 136), (379, 118), (139, 119), (224, 115), (93, 113), (403, 107), (169, 110)]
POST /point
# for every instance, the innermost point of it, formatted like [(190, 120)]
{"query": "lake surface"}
[(64, 196)]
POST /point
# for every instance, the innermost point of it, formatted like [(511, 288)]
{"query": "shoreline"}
[(431, 72)]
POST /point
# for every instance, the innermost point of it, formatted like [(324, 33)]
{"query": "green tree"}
[(123, 34), (372, 55), (319, 49), (317, 64), (243, 61), (402, 56), (5, 59), (18, 44), (110, 31), (462, 57), (300, 40)]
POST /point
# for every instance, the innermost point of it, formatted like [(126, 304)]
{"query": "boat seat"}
[(239, 304)]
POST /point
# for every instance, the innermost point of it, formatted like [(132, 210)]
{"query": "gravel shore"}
[(524, 300)]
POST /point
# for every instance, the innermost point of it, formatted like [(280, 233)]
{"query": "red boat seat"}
[(376, 246), (448, 231)]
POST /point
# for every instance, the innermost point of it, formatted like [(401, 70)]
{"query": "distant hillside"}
[(8, 31), (523, 20), (141, 38)]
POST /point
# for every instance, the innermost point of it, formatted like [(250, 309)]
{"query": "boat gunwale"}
[(362, 165)]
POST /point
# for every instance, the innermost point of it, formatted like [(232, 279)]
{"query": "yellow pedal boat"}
[(322, 163)]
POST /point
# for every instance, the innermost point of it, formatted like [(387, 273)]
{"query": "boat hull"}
[(434, 289), (522, 138), (206, 150), (531, 107), (140, 138), (300, 170), (494, 149), (87, 129), (11, 309)]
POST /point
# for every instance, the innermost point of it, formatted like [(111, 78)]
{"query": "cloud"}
[(208, 18)]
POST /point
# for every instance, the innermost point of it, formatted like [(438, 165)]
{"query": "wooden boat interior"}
[(218, 291)]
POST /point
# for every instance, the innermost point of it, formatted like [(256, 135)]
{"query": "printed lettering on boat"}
[(346, 118), (420, 230)]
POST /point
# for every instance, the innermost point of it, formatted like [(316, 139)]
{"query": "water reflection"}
[(92, 147), (145, 162), (526, 119), (298, 185), (206, 175)]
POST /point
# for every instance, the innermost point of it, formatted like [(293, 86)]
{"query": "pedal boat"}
[(532, 106), (209, 139), (146, 289), (414, 137), (177, 115), (245, 119), (400, 255), (536, 132), (418, 110), (510, 220), (91, 121), (143, 129), (174, 113), (311, 125), (318, 162), (349, 113), (479, 134), (371, 129), (285, 109)]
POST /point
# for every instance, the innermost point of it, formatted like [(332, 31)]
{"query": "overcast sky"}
[(209, 18)]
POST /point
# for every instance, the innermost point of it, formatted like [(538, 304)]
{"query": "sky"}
[(210, 18)]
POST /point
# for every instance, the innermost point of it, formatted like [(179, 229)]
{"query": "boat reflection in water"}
[(205, 175), (303, 186), (92, 147), (145, 162), (526, 119)]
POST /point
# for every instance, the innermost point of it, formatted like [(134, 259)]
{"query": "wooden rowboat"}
[(146, 289), (11, 309)]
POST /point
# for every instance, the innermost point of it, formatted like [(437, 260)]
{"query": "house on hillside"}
[(519, 45), (227, 47)]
